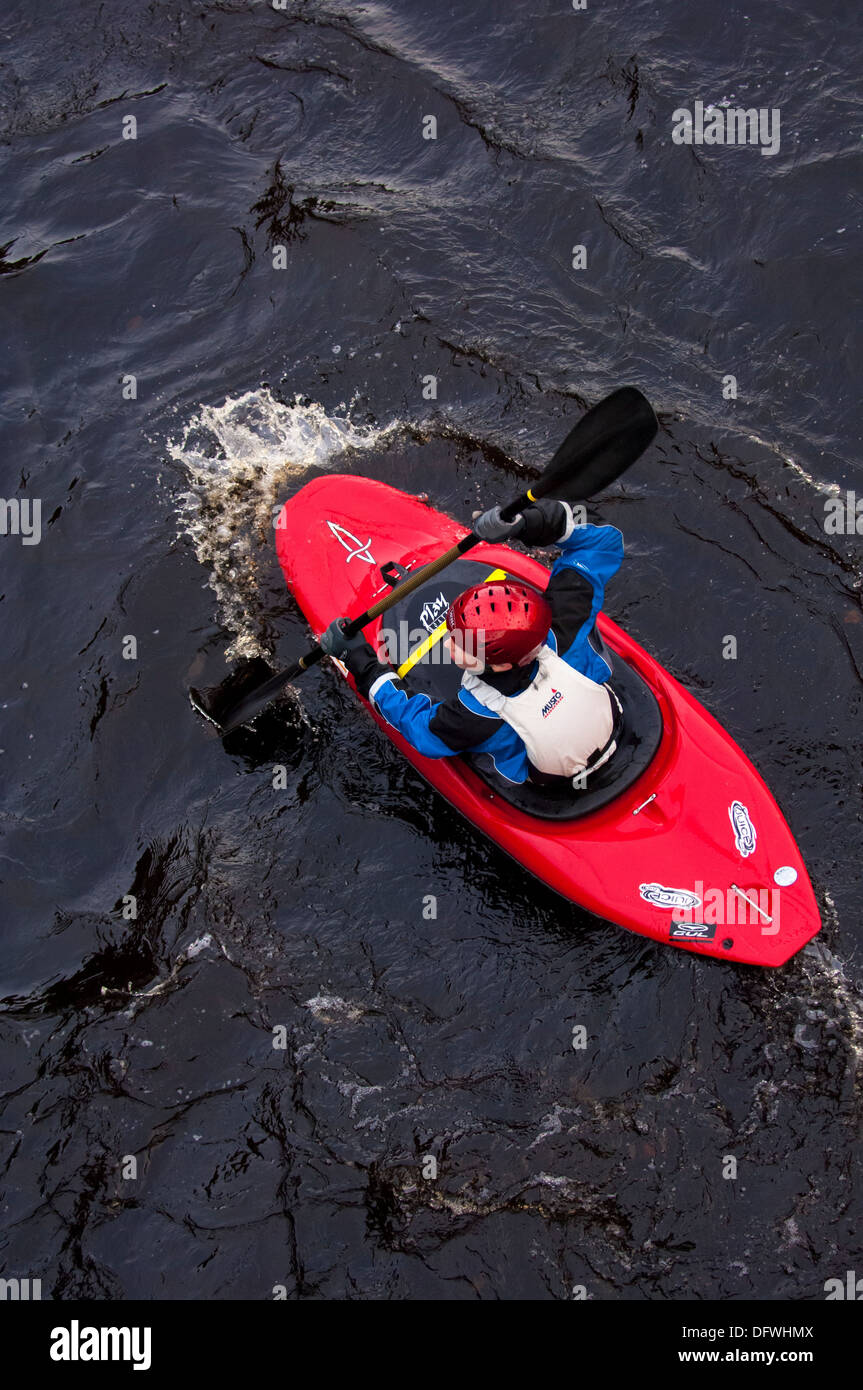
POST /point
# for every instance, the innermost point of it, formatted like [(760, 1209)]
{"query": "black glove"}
[(335, 643), (544, 522), (356, 653), (490, 526)]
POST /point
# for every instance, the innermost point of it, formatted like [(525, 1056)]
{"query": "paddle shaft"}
[(271, 687), (408, 586)]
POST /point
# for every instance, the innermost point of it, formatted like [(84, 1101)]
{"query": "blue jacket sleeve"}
[(597, 551), (438, 729), (410, 715), (589, 556)]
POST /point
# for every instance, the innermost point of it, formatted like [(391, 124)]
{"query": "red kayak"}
[(676, 838)]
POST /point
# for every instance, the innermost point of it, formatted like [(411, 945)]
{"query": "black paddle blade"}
[(248, 706), (605, 442), (215, 702)]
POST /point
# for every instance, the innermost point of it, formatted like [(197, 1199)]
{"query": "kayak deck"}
[(693, 851)]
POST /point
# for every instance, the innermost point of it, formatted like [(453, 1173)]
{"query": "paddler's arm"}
[(437, 730), (595, 552), (589, 556)]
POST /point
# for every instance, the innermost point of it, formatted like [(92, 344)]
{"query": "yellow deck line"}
[(419, 652)]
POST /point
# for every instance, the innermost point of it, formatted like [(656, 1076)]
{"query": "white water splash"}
[(333, 1009), (241, 459)]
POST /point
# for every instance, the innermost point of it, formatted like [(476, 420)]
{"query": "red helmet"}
[(510, 618)]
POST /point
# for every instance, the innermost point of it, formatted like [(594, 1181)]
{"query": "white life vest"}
[(563, 717)]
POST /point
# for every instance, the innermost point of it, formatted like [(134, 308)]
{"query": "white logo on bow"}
[(347, 538), (744, 830), (660, 896)]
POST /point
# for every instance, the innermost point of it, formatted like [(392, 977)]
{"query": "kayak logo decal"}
[(431, 614), (744, 831), (348, 539), (660, 896), (555, 700), (692, 931)]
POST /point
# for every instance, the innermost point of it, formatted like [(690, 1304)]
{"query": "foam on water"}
[(835, 999), (240, 459), (818, 485)]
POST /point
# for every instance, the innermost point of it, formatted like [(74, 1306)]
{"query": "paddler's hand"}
[(546, 522), (357, 654), (335, 643), (490, 525)]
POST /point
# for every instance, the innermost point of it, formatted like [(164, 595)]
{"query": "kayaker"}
[(533, 696)]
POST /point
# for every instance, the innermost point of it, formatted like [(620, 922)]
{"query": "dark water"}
[(301, 909)]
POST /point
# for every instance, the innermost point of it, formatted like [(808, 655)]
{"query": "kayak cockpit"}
[(637, 745)]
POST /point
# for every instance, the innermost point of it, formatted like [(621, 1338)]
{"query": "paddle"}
[(605, 442)]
